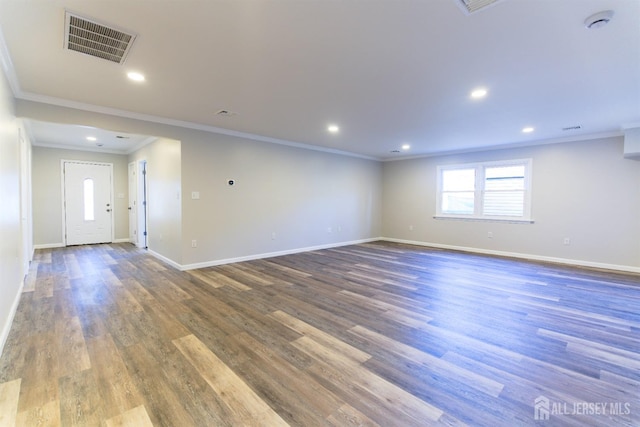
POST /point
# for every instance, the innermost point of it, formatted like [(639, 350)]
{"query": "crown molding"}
[(536, 143), (7, 66)]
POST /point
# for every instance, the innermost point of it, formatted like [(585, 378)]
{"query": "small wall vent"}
[(92, 38), (471, 6)]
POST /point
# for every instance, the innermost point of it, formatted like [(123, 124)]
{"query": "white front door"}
[(88, 202)]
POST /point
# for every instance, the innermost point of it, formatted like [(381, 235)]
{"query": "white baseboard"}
[(555, 260), (6, 327), (62, 245), (163, 258), (48, 246), (272, 254)]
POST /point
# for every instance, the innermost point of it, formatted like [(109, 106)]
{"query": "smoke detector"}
[(599, 19), (225, 113)]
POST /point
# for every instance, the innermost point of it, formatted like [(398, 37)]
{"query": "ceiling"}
[(387, 72), (84, 138)]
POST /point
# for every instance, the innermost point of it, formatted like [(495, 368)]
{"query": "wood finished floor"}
[(374, 334)]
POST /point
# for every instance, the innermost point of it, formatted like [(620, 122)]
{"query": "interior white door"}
[(133, 208), (88, 203)]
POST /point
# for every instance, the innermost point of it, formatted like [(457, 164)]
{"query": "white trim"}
[(62, 245), (47, 246), (487, 219), (7, 66), (142, 193), (555, 260), (508, 146), (6, 328), (163, 258)]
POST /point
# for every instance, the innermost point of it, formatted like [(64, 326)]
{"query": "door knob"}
[(108, 210)]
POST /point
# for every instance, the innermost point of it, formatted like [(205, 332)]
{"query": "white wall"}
[(584, 190), (47, 192), (295, 193), (11, 262), (164, 197)]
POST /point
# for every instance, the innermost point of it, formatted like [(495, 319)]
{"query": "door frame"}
[(64, 196), (133, 207), (142, 216)]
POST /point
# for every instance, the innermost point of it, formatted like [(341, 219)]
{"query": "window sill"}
[(482, 219)]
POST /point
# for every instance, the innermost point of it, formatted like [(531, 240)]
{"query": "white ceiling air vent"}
[(471, 6), (91, 38)]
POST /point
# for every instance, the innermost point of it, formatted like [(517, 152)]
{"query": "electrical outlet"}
[(566, 241), (411, 228), (490, 235), (329, 230), (273, 235), (194, 243)]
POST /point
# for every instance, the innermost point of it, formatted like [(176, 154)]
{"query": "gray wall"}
[(11, 274), (307, 198), (47, 192), (583, 190), (164, 197)]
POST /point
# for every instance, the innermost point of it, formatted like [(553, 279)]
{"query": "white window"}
[(89, 214), (489, 190)]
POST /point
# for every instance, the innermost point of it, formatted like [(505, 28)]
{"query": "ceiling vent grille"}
[(94, 39), (471, 6)]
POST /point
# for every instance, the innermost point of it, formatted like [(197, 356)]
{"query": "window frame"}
[(479, 190)]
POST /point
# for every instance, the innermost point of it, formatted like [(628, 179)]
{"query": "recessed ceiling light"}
[(405, 147), (92, 138), (333, 128), (136, 77), (479, 93), (528, 129)]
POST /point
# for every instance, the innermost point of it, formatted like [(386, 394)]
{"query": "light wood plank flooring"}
[(376, 334)]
